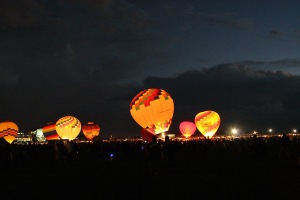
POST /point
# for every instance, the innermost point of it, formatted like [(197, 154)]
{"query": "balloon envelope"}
[(9, 131), (91, 130), (153, 110), (146, 135), (68, 127), (187, 128), (207, 122), (49, 131)]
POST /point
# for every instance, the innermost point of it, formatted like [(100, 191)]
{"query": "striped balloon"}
[(49, 131), (207, 122), (9, 131), (90, 130)]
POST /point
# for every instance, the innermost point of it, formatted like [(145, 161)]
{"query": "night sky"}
[(90, 58)]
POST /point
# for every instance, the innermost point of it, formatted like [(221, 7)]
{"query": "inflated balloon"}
[(9, 131), (153, 110), (90, 130), (187, 128), (207, 122), (49, 131), (68, 127)]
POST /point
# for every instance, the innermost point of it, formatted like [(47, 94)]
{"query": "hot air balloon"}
[(49, 131), (90, 130), (153, 110), (68, 127), (9, 131), (187, 128), (207, 122)]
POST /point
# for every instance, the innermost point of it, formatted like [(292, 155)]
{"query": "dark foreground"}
[(216, 172)]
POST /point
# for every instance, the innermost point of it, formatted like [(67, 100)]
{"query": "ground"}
[(217, 172)]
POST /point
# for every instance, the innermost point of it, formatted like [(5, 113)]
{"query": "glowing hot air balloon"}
[(153, 110), (187, 128), (207, 122), (68, 127), (49, 131), (9, 131), (91, 130)]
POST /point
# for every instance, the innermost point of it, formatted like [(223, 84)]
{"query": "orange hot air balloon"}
[(68, 127), (153, 110), (207, 122), (9, 131), (49, 131), (91, 130), (187, 128)]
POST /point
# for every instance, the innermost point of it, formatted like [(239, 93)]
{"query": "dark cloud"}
[(291, 66), (231, 20), (276, 35), (250, 99)]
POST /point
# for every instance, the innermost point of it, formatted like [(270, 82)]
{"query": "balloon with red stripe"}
[(49, 131), (208, 122), (90, 130), (68, 127), (9, 131)]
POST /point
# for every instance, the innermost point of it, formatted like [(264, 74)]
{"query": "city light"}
[(234, 131), (270, 130)]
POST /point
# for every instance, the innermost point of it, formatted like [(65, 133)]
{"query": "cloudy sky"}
[(89, 59)]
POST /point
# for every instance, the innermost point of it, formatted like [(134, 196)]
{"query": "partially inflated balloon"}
[(187, 128), (153, 110), (91, 130), (68, 127), (9, 131), (49, 131), (207, 123)]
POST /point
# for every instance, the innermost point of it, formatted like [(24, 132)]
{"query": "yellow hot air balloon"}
[(91, 130), (207, 122), (68, 127), (153, 110), (9, 131)]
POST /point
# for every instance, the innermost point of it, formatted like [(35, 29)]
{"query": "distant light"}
[(234, 131), (270, 130)]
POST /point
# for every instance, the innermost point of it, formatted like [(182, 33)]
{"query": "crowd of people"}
[(154, 152)]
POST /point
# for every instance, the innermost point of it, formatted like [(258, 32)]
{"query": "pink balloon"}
[(187, 128)]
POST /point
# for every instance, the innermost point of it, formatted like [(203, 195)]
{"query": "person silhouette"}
[(168, 153), (154, 156)]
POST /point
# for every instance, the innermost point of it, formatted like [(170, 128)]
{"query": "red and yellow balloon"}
[(207, 122), (90, 130), (68, 127), (187, 128), (49, 131), (9, 131), (153, 110)]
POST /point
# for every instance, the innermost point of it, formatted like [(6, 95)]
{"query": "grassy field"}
[(198, 173)]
